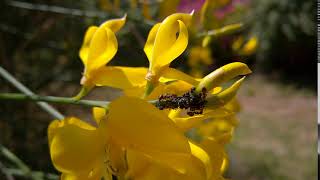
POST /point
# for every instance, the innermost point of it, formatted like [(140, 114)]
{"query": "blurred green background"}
[(276, 139)]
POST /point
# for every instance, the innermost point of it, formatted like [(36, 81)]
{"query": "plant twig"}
[(45, 106), (53, 99), (5, 172), (72, 11), (21, 168)]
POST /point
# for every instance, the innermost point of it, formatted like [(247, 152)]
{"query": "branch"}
[(21, 168), (45, 106), (53, 99), (72, 11)]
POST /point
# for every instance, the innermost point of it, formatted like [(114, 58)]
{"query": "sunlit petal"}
[(114, 24), (148, 47), (103, 47), (142, 127), (174, 74), (75, 146), (84, 51), (120, 77)]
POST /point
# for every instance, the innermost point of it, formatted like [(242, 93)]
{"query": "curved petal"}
[(167, 47), (137, 124), (223, 74), (103, 47), (98, 114), (84, 50), (169, 165), (225, 96), (93, 175), (221, 130), (115, 24), (120, 77), (187, 122), (217, 156), (202, 155), (148, 47), (174, 74), (75, 146), (176, 87)]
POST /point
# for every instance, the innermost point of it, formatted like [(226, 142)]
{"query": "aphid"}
[(191, 101)]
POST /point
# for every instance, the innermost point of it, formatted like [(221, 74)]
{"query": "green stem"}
[(53, 99), (226, 30), (148, 90), (23, 169), (57, 100), (22, 88)]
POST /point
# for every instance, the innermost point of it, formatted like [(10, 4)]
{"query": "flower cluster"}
[(133, 138)]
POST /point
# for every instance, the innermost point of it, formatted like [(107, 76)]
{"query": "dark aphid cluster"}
[(192, 101)]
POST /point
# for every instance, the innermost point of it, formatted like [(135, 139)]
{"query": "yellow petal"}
[(169, 165), (225, 164), (221, 130), (176, 87), (202, 155), (233, 105), (103, 47), (250, 47), (223, 74), (98, 114), (174, 74), (148, 47), (84, 51), (167, 47), (186, 123), (225, 96), (216, 90), (75, 146), (217, 156), (93, 175), (142, 126), (135, 91), (120, 77), (114, 24)]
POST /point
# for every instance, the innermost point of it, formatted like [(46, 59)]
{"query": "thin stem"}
[(5, 172), (23, 169), (53, 99), (13, 158), (33, 174), (57, 100), (45, 106), (72, 11), (226, 30)]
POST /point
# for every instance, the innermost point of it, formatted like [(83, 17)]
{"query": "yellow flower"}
[(221, 102), (82, 151), (164, 45), (99, 46), (198, 55), (245, 48), (198, 59), (198, 166)]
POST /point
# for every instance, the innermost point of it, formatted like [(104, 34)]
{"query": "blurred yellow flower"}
[(198, 59), (245, 48), (198, 55)]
